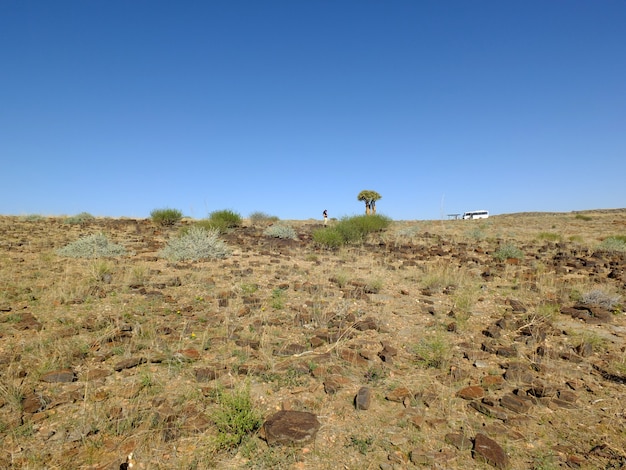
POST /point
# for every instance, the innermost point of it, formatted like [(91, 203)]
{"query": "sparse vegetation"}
[(92, 246), (433, 351), (350, 230), (236, 418), (614, 244), (284, 232), (508, 251), (179, 361), (166, 217), (197, 243), (261, 218), (601, 297), (82, 218)]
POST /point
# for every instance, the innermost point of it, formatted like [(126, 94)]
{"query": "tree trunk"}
[(374, 207), (367, 208)]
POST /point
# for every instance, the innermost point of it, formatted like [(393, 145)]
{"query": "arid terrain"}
[(454, 344)]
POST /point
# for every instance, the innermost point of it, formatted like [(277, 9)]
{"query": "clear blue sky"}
[(291, 107)]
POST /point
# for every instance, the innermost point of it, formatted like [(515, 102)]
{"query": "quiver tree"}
[(369, 197)]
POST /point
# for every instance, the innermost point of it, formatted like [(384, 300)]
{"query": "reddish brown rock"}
[(471, 393), (290, 427), (63, 376), (489, 451)]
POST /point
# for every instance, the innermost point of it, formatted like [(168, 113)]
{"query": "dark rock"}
[(206, 374), (129, 363), (519, 373), (471, 393), (459, 441), (290, 427), (489, 410), (489, 451), (516, 306), (63, 376), (34, 402), (363, 398), (367, 323), (334, 383), (399, 395), (515, 403), (290, 350)]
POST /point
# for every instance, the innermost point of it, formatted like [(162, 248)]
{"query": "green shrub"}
[(262, 218), (281, 231), (166, 217), (583, 217), (549, 236), (92, 246), (223, 220), (364, 224), (32, 218), (350, 230), (236, 418), (197, 243), (614, 244), (508, 251), (328, 237), (434, 352), (81, 218)]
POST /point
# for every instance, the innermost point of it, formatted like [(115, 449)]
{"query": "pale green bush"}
[(280, 231), (196, 243), (92, 246)]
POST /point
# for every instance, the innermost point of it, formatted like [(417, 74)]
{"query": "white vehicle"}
[(476, 215)]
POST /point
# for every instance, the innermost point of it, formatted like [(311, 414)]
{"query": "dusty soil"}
[(470, 361)]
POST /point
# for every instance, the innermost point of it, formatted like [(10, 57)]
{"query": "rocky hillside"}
[(435, 344)]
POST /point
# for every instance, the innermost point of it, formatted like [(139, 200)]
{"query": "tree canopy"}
[(369, 197)]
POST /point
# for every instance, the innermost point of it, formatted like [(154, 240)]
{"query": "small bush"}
[(81, 218), (615, 244), (601, 298), (508, 251), (549, 236), (223, 220), (235, 419), (434, 352), (281, 231), (328, 237), (350, 230), (32, 218), (92, 246), (197, 243), (258, 218), (166, 217), (583, 217)]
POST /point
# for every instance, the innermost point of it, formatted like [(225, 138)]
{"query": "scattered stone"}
[(515, 403), (34, 402), (518, 373), (63, 376), (334, 383), (471, 393), (489, 410), (399, 395), (368, 323), (189, 354), (492, 382), (489, 451), (290, 427), (129, 363), (363, 398), (459, 441)]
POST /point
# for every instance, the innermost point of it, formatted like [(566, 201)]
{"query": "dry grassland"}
[(454, 338)]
